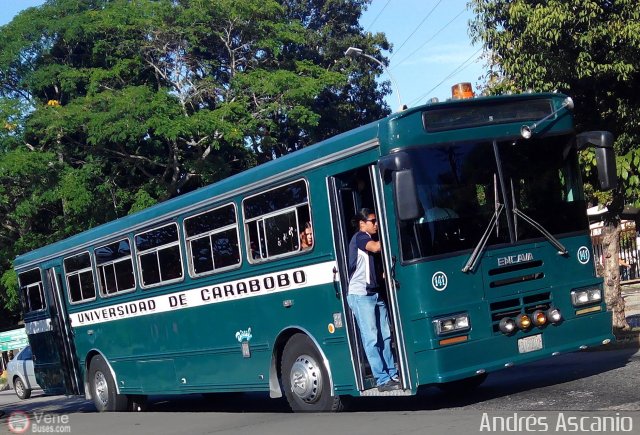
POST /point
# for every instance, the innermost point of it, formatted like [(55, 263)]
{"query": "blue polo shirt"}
[(362, 270)]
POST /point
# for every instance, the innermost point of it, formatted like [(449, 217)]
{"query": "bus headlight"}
[(586, 296), (453, 323)]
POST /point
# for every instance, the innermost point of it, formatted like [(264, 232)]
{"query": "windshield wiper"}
[(475, 255), (555, 242)]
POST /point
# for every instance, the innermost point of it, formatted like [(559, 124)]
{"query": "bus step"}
[(371, 392)]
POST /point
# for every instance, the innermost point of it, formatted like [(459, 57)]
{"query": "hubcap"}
[(306, 379), (19, 388), (101, 388)]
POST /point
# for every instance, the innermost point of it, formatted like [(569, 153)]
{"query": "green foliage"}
[(110, 106), (9, 280)]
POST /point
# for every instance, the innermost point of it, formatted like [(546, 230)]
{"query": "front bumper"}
[(463, 360)]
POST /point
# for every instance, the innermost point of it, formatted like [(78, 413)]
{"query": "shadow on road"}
[(557, 370)]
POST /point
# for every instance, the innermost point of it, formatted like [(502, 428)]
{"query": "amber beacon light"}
[(462, 91)]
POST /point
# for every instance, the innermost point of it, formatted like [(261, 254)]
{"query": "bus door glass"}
[(63, 333)]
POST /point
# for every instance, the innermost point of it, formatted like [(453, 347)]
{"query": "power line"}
[(458, 69), (416, 29), (378, 16), (430, 39)]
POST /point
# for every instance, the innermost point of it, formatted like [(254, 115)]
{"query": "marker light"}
[(507, 325), (586, 296), (554, 315), (461, 91), (523, 321), (539, 318)]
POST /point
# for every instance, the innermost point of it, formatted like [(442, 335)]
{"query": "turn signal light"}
[(523, 321), (539, 318)]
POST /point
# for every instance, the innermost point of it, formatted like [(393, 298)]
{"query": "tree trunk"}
[(612, 293)]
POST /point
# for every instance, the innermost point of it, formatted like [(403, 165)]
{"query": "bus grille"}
[(512, 307), (531, 276)]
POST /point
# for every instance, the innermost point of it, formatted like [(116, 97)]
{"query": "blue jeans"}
[(373, 321)]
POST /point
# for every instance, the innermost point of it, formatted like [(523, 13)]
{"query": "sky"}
[(432, 50)]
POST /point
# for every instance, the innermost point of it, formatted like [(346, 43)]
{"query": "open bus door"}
[(344, 203), (349, 192), (61, 336)]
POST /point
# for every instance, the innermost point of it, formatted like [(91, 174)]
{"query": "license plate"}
[(530, 344)]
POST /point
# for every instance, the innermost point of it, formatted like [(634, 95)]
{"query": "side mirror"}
[(404, 186), (606, 163), (602, 141), (404, 190)]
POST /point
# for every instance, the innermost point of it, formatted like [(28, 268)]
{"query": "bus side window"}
[(79, 276), (115, 267), (158, 255), (212, 241), (275, 219)]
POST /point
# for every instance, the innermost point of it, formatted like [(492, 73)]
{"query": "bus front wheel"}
[(305, 379), (103, 388)]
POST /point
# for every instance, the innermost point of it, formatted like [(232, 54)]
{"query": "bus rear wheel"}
[(103, 388), (305, 379)]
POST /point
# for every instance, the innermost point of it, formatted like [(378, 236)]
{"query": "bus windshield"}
[(462, 185)]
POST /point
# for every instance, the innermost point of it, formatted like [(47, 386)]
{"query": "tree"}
[(109, 106), (587, 49)]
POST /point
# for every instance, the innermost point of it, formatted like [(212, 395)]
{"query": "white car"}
[(20, 373)]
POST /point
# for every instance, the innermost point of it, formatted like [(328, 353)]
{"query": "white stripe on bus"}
[(291, 279)]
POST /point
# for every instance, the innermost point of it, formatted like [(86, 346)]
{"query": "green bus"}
[(485, 249)]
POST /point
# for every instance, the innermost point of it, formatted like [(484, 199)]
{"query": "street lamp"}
[(353, 52)]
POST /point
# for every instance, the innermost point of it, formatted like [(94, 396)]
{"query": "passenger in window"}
[(367, 303), (255, 253), (306, 237)]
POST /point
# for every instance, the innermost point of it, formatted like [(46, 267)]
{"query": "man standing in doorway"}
[(367, 304)]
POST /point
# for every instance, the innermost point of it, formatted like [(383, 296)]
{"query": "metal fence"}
[(629, 256)]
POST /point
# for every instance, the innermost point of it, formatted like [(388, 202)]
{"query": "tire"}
[(21, 389), (305, 379), (462, 385), (103, 388)]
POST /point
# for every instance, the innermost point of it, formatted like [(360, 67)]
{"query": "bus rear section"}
[(48, 330)]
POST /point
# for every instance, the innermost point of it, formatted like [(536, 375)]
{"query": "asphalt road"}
[(552, 396)]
